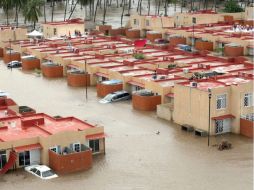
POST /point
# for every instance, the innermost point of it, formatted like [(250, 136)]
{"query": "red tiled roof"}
[(27, 147), (96, 136)]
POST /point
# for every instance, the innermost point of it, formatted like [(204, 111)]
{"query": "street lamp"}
[(209, 115), (193, 22), (10, 51)]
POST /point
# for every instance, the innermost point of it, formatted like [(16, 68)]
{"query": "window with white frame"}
[(54, 149), (77, 147), (135, 21), (248, 100), (147, 23), (221, 101)]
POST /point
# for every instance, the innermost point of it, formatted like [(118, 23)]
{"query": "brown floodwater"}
[(136, 158), (113, 14)]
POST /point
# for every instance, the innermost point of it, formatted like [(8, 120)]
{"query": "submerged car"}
[(115, 97), (41, 171), (14, 64)]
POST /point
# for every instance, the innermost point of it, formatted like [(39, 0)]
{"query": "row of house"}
[(29, 138), (202, 29), (168, 74)]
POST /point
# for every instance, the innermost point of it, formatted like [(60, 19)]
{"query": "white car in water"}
[(115, 97), (41, 171)]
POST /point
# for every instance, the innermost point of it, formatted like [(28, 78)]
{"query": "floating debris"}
[(224, 145)]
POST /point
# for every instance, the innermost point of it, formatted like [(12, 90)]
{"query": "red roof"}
[(27, 147), (96, 136), (38, 125), (227, 116), (170, 95)]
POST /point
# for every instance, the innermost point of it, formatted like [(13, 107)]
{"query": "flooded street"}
[(113, 14), (136, 158)]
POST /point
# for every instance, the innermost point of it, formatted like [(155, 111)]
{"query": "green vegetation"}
[(37, 71), (139, 56), (232, 6)]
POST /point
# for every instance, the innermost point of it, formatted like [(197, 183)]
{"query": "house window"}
[(221, 101), (54, 31), (222, 126), (3, 159), (147, 23), (54, 149), (248, 100), (94, 145), (24, 158), (77, 147), (218, 126), (135, 21)]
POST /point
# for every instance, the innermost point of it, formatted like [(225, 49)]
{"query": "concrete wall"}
[(78, 80), (30, 64), (145, 103), (153, 36), (133, 33), (202, 45), (233, 51), (103, 90), (14, 56), (246, 128), (177, 40), (249, 13), (191, 105), (52, 71), (164, 111), (73, 162), (62, 29)]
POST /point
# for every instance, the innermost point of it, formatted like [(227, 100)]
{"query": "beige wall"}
[(61, 30), (249, 13), (191, 105)]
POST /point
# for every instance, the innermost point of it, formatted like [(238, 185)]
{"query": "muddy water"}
[(136, 158)]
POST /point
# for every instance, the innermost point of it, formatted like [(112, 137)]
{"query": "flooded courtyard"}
[(136, 157)]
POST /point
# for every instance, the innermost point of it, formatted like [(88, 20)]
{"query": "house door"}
[(3, 159), (24, 158), (35, 157), (222, 126), (94, 145)]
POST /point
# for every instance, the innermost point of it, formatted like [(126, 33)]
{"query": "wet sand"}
[(136, 158)]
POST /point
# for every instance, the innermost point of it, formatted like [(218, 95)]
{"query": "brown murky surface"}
[(136, 158), (113, 16)]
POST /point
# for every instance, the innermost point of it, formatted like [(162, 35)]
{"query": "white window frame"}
[(73, 146), (54, 147), (147, 22), (249, 97), (135, 22), (219, 97)]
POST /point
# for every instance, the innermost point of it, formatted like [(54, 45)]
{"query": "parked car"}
[(14, 64), (41, 171), (115, 97)]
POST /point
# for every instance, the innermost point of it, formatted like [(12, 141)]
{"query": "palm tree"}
[(6, 5), (32, 11), (17, 4), (122, 13)]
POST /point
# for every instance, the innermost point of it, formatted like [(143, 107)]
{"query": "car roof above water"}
[(120, 92)]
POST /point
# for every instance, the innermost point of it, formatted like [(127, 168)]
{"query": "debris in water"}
[(224, 145)]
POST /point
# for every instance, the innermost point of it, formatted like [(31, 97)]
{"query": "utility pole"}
[(209, 116), (86, 74)]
